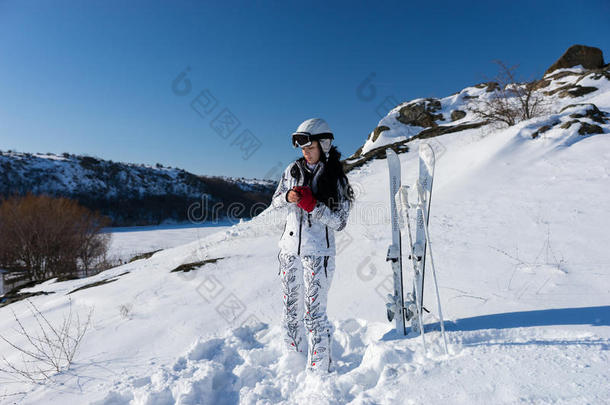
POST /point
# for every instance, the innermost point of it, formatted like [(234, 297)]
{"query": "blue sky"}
[(96, 77)]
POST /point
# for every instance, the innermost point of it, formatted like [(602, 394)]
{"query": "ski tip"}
[(390, 152), (426, 151), (393, 162)]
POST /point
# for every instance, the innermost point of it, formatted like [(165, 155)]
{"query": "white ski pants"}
[(305, 284)]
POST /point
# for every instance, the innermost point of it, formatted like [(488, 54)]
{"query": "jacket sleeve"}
[(279, 198), (337, 219)]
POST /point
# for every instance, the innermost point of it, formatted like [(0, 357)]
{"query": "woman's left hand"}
[(308, 201)]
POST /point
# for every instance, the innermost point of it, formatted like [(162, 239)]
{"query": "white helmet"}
[(313, 129)]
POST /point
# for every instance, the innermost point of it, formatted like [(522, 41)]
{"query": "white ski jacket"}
[(310, 233)]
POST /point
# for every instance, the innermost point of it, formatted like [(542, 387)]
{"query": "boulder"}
[(589, 129), (420, 113), (457, 115), (587, 56)]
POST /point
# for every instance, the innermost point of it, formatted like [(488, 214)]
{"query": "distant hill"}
[(132, 194)]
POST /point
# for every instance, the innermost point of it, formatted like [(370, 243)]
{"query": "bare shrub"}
[(511, 100), (50, 349)]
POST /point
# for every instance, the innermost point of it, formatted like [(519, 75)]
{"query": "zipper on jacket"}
[(327, 243), (325, 263), (300, 224), (330, 360), (309, 219)]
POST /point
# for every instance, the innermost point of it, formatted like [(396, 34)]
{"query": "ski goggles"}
[(303, 139)]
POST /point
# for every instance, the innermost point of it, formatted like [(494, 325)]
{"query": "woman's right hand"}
[(293, 196)]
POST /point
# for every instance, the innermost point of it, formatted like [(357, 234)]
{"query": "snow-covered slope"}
[(428, 117), (519, 231)]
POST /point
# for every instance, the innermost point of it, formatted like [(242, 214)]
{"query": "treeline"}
[(220, 197), (44, 236)]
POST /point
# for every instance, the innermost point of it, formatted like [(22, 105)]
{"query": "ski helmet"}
[(313, 129)]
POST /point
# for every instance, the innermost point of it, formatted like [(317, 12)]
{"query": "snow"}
[(576, 69), (130, 241), (519, 232)]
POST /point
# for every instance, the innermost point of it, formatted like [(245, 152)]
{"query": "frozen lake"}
[(128, 242)]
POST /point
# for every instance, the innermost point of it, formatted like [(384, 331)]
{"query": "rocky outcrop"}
[(586, 128), (489, 86), (567, 82), (373, 136), (592, 112), (571, 90), (357, 160), (589, 129), (378, 131), (421, 113), (447, 129), (457, 115), (590, 58), (587, 56), (543, 129)]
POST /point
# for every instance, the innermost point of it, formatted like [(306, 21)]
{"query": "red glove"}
[(307, 201)]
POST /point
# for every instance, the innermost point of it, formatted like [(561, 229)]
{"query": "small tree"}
[(93, 244), (511, 100), (47, 236)]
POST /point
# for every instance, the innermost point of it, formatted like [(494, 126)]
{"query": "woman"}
[(318, 196)]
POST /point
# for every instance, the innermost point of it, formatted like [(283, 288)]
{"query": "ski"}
[(395, 305), (420, 192), (422, 216), (413, 312)]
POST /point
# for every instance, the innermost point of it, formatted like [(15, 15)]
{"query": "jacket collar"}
[(317, 172)]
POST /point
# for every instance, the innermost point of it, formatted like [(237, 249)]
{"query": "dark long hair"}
[(327, 191)]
